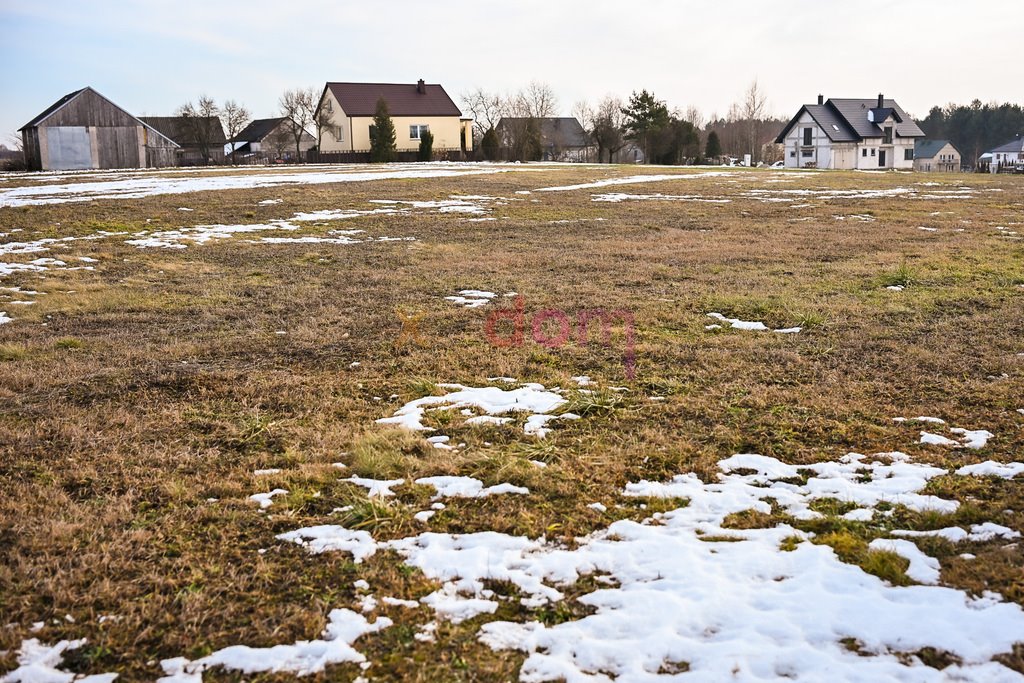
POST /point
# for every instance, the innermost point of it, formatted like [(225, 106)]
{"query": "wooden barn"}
[(85, 130)]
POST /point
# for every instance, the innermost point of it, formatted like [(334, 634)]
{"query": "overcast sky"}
[(150, 56)]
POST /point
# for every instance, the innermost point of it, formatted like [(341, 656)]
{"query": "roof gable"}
[(53, 107), (855, 113), (828, 120), (258, 129), (404, 99), (927, 149)]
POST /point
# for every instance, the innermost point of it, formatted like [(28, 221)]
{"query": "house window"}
[(807, 153), (338, 132), (864, 152), (908, 155), (808, 133), (416, 131), (792, 155), (887, 135), (872, 151)]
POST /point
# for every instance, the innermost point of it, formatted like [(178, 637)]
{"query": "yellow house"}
[(414, 108)]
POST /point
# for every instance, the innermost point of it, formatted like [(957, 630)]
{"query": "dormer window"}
[(887, 135)]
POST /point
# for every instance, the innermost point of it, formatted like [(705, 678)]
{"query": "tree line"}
[(974, 128), (643, 124)]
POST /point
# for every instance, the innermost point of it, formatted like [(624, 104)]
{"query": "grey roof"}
[(1015, 145), (258, 129), (855, 112), (846, 120), (179, 129), (564, 131), (927, 149)]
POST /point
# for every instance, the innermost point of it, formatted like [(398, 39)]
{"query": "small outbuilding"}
[(85, 130)]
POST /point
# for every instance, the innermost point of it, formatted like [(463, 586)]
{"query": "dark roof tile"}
[(404, 99)]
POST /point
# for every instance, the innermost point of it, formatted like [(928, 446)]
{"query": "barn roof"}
[(177, 128), (565, 131), (53, 107), (404, 99), (258, 129)]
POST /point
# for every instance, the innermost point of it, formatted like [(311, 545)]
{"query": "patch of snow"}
[(333, 537), (376, 487), (991, 468), (302, 658), (264, 499), (466, 487), (38, 663)]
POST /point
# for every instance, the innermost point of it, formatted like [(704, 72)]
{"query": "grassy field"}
[(137, 399)]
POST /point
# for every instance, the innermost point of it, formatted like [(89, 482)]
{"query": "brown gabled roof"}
[(404, 99)]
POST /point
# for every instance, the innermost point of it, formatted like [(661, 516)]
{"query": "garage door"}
[(69, 147)]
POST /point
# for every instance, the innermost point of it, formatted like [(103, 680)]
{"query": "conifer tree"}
[(426, 152), (713, 147), (382, 134)]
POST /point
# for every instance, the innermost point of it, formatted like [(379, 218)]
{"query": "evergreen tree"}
[(646, 117), (490, 144), (426, 152), (713, 147), (382, 134)]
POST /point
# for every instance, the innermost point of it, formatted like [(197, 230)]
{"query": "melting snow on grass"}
[(38, 663), (472, 298), (302, 658), (528, 398), (684, 590), (738, 324)]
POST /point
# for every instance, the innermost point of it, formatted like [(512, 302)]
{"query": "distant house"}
[(269, 139), (85, 130), (200, 138), (850, 133), (562, 138), (1010, 154), (414, 109), (936, 155)]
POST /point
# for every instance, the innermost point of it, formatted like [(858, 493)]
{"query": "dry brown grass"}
[(160, 382)]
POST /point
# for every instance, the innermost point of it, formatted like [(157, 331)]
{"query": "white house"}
[(1010, 154), (851, 134)]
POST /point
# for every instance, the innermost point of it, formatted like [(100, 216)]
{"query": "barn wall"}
[(118, 147), (89, 109)]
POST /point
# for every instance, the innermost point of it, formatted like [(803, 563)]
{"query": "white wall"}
[(793, 145)]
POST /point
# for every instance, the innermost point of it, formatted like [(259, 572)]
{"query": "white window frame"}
[(418, 129)]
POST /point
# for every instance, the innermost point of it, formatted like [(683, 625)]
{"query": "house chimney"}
[(821, 99), (881, 101), (420, 87)]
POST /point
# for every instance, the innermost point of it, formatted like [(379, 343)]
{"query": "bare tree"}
[(693, 116), (236, 117), (539, 100), (198, 121), (607, 127), (486, 107), (321, 118), (297, 108), (755, 102)]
